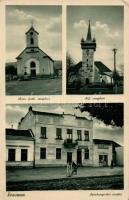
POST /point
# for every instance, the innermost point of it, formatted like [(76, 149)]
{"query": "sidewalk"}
[(14, 175)]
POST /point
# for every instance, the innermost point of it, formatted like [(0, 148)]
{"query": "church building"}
[(90, 71), (32, 61)]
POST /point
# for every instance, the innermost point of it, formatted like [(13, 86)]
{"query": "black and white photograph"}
[(64, 146), (33, 50), (95, 63)]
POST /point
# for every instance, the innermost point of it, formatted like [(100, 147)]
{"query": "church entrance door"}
[(87, 81), (33, 73), (33, 69)]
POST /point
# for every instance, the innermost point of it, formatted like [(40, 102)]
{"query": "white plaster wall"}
[(18, 145), (28, 69)]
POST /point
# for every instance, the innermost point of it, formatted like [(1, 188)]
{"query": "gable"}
[(33, 51)]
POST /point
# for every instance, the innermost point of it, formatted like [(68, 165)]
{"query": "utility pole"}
[(114, 50), (115, 72)]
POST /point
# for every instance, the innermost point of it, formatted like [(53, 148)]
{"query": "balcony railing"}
[(69, 143)]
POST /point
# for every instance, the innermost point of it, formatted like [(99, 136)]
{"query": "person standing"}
[(69, 169)]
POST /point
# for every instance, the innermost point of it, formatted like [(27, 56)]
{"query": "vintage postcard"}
[(64, 99)]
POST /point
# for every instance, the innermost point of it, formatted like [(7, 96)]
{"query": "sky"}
[(100, 131), (46, 20), (107, 25)]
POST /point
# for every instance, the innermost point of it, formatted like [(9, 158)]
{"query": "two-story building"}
[(57, 139)]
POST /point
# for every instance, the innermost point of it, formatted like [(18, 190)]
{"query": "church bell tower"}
[(32, 37), (88, 47)]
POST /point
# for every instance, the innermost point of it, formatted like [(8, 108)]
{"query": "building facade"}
[(59, 138), (32, 61), (19, 148)]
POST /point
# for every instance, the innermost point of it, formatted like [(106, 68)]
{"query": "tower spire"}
[(89, 38)]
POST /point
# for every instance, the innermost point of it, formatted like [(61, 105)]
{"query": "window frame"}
[(32, 41), (42, 153), (59, 134), (70, 134), (58, 153), (86, 154), (79, 135), (43, 134), (26, 155), (86, 135), (10, 155)]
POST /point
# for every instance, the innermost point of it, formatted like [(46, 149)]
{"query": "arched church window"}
[(31, 33), (31, 41), (32, 64)]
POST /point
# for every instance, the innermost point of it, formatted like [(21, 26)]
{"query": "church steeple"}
[(88, 43), (89, 37), (32, 37), (88, 48)]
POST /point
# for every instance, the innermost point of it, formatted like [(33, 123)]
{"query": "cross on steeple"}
[(89, 37), (32, 23)]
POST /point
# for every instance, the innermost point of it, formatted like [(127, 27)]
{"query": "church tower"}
[(88, 46), (32, 37)]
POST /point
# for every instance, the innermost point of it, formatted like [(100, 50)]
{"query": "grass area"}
[(89, 183), (95, 90), (34, 87)]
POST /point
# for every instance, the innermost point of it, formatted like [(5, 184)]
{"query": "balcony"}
[(69, 143)]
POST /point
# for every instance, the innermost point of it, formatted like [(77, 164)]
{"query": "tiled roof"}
[(32, 28), (55, 114), (46, 113), (102, 141), (19, 134), (102, 68)]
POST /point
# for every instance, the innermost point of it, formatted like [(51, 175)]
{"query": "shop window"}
[(23, 154), (58, 153), (11, 154), (42, 153)]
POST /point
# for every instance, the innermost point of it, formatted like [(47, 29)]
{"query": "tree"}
[(69, 61), (11, 70), (109, 113)]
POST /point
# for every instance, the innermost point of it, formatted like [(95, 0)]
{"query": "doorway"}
[(69, 157), (33, 69), (33, 73), (87, 81), (79, 156), (103, 160)]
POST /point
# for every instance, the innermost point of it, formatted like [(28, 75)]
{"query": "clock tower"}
[(87, 71)]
